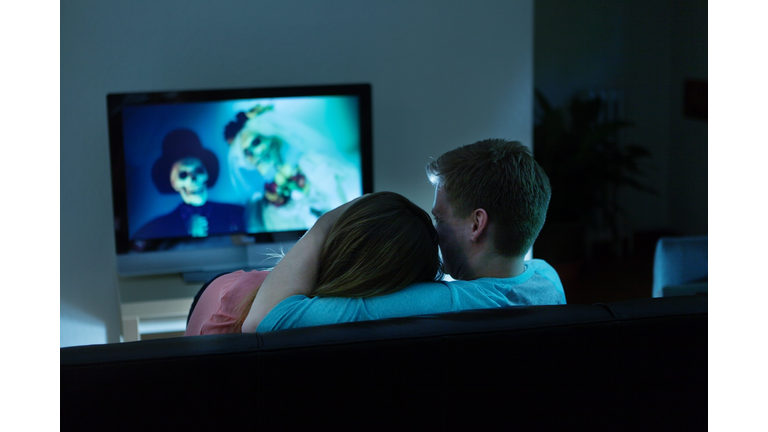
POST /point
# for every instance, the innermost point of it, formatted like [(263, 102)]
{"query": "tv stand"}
[(154, 317), (207, 275), (150, 319), (143, 318)]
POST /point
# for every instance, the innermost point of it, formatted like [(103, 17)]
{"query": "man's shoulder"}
[(544, 283), (538, 262), (544, 269), (540, 266), (533, 268), (538, 284)]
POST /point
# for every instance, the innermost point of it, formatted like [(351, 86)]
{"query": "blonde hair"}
[(380, 244)]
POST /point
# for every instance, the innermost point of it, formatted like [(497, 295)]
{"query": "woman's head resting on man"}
[(382, 243)]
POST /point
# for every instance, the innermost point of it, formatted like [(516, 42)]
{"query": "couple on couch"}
[(377, 256)]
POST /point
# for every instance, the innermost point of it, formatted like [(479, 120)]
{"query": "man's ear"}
[(479, 224)]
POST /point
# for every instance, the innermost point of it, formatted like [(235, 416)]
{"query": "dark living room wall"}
[(444, 73), (644, 50)]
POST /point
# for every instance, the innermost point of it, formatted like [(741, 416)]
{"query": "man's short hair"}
[(501, 177)]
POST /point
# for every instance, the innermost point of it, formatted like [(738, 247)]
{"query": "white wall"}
[(444, 73)]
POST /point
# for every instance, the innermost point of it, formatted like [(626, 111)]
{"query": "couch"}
[(630, 365)]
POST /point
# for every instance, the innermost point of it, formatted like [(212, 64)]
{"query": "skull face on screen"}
[(261, 151), (189, 178)]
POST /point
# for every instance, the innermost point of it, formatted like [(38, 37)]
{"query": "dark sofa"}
[(631, 365)]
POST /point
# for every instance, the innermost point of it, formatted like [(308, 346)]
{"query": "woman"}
[(374, 245)]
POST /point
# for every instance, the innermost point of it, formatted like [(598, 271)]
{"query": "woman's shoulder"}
[(242, 277)]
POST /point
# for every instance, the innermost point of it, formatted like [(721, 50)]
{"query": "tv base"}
[(205, 276)]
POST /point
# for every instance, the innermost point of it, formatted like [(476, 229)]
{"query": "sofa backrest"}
[(634, 365)]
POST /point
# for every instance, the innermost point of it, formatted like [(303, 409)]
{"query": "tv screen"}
[(217, 180)]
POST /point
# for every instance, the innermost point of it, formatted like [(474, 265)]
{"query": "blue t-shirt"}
[(539, 284)]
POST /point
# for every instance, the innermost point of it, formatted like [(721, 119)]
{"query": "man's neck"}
[(495, 266)]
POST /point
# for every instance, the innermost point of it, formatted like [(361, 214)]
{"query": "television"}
[(210, 181)]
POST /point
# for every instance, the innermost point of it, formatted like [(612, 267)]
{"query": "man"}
[(491, 199)]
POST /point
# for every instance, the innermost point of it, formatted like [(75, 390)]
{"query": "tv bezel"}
[(256, 249)]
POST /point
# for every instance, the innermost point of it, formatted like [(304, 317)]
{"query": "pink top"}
[(215, 309)]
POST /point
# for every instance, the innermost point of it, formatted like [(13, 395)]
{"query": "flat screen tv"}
[(209, 181)]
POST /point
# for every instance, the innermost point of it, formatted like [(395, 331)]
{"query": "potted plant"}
[(578, 147)]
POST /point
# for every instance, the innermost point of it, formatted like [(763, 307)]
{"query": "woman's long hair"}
[(380, 244)]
